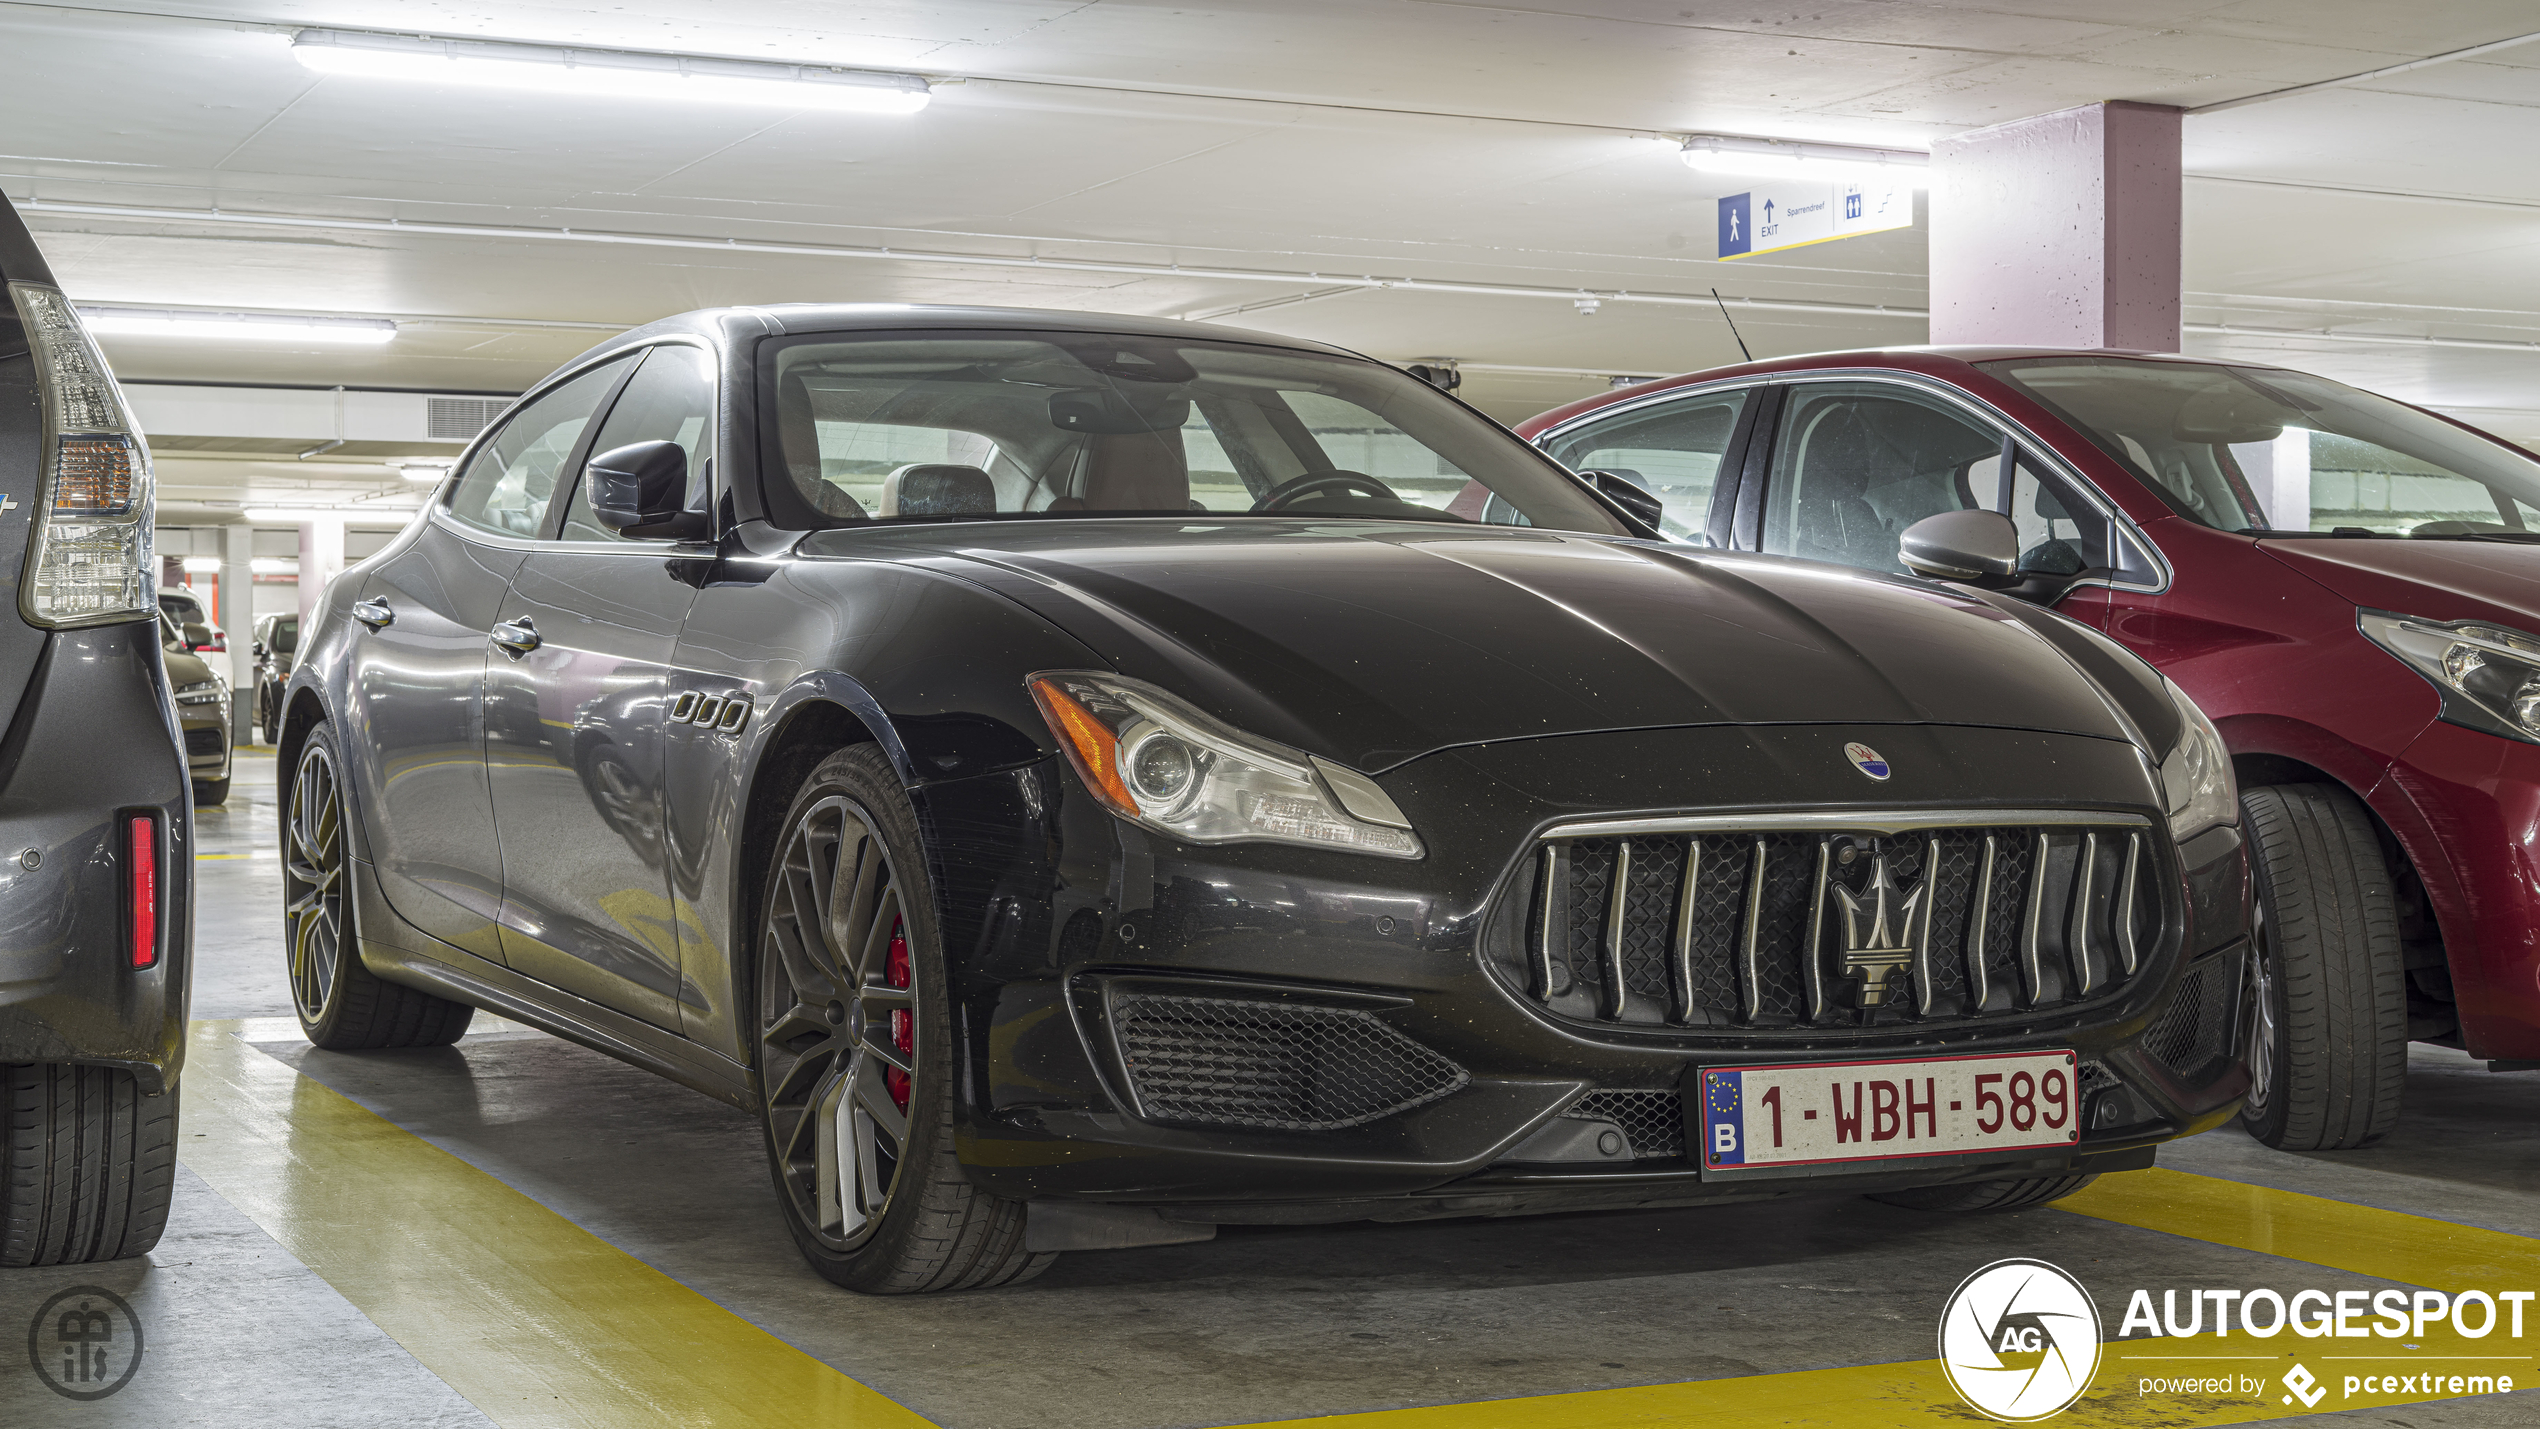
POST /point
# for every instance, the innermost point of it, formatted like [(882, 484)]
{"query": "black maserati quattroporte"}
[(1083, 781)]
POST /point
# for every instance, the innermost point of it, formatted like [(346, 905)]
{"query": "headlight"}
[(2489, 677), (1154, 760), (2196, 780), (201, 692)]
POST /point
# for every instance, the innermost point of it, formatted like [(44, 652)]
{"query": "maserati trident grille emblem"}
[(1880, 939), (1869, 761)]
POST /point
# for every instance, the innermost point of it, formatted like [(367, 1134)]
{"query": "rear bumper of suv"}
[(93, 742), (1257, 1034)]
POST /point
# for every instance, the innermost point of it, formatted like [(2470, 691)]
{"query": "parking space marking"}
[(2389, 1245), (537, 1322)]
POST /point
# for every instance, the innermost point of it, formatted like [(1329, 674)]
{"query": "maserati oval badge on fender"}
[(1867, 760)]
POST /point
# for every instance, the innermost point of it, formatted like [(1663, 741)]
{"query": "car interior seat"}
[(1131, 471), (1832, 520)]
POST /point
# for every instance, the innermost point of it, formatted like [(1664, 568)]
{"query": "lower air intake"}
[(1272, 1065), (2195, 1032), (1653, 1122)]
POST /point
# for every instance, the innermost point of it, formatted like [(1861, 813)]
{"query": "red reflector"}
[(142, 874)]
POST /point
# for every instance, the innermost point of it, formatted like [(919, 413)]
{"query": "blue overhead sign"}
[(1765, 220)]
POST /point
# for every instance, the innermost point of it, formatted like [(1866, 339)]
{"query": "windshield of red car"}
[(2259, 449), (986, 425)]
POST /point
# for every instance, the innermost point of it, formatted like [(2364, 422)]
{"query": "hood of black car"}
[(1376, 643)]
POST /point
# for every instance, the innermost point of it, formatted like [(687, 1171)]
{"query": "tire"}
[(87, 1165), (210, 793), (883, 1208), (343, 1006), (1971, 1197), (2329, 1047)]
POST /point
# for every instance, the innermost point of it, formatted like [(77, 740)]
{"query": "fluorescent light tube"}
[(374, 514), (238, 327), (623, 74), (202, 565), (1795, 159), (273, 566)]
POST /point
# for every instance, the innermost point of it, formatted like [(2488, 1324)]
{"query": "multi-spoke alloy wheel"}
[(313, 881), (2263, 1035), (855, 1048), (343, 1005), (839, 1046)]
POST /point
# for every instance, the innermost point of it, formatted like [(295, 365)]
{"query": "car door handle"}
[(519, 637), (374, 613)]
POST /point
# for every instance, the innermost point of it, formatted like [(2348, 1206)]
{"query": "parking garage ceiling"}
[(1258, 163)]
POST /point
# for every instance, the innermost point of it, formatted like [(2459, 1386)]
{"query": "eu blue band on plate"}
[(1723, 1119)]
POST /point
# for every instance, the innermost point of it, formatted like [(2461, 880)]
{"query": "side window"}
[(669, 399), (1673, 449), (507, 486), (1856, 463)]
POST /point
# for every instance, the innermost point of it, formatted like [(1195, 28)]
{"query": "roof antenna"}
[(1732, 322)]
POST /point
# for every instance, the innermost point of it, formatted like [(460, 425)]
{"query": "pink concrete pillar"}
[(2059, 230)]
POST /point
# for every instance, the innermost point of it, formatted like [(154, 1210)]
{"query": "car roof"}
[(787, 319), (1936, 360)]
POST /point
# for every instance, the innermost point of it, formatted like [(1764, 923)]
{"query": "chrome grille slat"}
[(1713, 927), (1618, 996)]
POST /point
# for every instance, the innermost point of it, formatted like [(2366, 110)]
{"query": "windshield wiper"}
[(2510, 538)]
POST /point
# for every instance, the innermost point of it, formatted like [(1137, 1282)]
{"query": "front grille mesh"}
[(1652, 1121), (2195, 1032), (1272, 1065), (1782, 928)]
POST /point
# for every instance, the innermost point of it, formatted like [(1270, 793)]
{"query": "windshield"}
[(2258, 449), (981, 425)]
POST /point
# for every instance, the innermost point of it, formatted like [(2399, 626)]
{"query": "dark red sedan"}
[(2344, 582)]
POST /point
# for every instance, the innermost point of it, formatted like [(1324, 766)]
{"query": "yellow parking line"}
[(534, 1320), (2389, 1245)]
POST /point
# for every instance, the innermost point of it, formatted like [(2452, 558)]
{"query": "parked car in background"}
[(194, 622), (277, 640), (1085, 780), (202, 715), (96, 833), (2349, 585)]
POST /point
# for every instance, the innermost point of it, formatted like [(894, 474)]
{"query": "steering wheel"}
[(1313, 481)]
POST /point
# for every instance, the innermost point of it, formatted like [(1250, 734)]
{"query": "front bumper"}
[(93, 738), (205, 730), (2467, 806), (1264, 952)]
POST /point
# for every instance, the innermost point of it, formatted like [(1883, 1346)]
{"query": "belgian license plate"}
[(1831, 1113)]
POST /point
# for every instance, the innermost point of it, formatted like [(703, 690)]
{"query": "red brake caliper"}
[(903, 1024)]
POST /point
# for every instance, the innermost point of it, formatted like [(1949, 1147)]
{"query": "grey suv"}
[(96, 832)]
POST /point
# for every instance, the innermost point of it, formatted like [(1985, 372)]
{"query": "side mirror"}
[(641, 490), (1976, 546), (1628, 494), (197, 636)]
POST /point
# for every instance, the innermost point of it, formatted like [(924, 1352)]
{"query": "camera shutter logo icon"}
[(2019, 1340)]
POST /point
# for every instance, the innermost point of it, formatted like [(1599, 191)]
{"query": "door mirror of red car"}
[(1978, 546)]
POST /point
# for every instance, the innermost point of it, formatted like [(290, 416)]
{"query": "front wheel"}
[(2328, 1042), (855, 1050)]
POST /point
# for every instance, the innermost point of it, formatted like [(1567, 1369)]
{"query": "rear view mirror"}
[(641, 490), (1961, 546), (1628, 494), (1108, 414), (2230, 416)]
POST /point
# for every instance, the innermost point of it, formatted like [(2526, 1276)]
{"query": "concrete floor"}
[(1260, 1325)]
